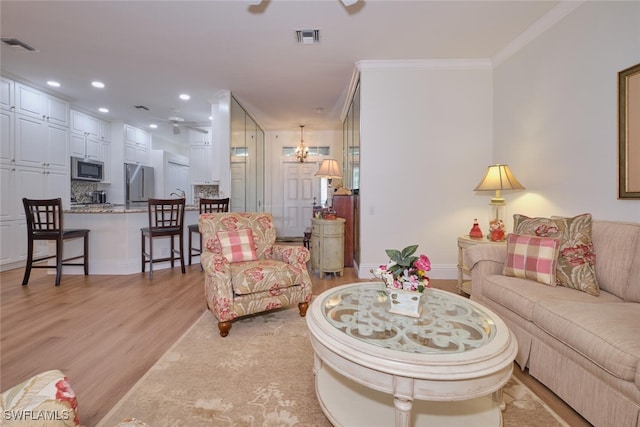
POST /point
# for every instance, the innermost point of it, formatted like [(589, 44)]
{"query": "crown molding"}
[(551, 18), (424, 64)]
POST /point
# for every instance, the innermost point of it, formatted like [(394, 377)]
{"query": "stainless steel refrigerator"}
[(139, 184)]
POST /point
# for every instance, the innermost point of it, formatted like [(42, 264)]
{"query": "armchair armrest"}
[(483, 260), (218, 291), (291, 254)]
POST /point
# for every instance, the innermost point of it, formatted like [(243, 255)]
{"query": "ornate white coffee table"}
[(374, 368)]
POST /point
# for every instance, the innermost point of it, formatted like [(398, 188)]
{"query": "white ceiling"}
[(147, 52)]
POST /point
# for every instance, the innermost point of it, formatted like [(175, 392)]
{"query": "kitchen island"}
[(114, 240)]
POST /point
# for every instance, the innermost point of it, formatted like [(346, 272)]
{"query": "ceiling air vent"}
[(16, 43), (308, 36)]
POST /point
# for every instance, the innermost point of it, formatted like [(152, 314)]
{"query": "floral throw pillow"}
[(237, 245), (531, 257), (576, 259)]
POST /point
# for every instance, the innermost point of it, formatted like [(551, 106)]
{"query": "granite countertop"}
[(112, 208)]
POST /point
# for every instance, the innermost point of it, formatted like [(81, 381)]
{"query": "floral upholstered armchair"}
[(245, 271)]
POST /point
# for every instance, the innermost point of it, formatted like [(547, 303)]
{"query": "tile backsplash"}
[(79, 190), (205, 192)]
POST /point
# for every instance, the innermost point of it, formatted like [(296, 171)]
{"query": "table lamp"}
[(498, 177), (329, 169)]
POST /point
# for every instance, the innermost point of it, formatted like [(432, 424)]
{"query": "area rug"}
[(260, 375)]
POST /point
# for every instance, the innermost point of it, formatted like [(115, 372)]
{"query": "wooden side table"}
[(327, 246), (464, 275)]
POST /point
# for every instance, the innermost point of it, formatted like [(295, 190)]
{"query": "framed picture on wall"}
[(629, 133)]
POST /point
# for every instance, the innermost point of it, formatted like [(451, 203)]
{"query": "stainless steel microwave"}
[(86, 170)]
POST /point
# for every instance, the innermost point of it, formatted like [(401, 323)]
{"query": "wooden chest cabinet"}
[(327, 246), (345, 208)]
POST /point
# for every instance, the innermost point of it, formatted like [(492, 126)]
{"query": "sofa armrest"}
[(291, 254), (483, 260)]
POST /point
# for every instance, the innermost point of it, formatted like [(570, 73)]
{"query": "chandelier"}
[(302, 151)]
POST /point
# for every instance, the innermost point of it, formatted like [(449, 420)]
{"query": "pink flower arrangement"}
[(405, 270)]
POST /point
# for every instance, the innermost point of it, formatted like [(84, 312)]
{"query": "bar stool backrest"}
[(214, 205), (43, 216), (166, 214)]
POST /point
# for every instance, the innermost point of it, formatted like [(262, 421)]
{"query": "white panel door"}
[(300, 188)]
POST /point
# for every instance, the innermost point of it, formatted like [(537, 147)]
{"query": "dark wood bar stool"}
[(206, 206), (44, 222), (166, 219)]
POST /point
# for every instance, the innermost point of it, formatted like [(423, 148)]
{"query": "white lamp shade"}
[(329, 169), (498, 177)]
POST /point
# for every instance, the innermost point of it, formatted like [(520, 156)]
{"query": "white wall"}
[(426, 140), (555, 113)]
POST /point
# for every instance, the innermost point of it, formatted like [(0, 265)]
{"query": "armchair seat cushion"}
[(271, 275)]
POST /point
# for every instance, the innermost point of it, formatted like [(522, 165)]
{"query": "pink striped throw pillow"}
[(237, 245), (532, 257)]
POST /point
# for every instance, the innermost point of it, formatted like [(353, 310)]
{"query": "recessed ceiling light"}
[(103, 110), (53, 83), (210, 117), (153, 126), (97, 84), (185, 97)]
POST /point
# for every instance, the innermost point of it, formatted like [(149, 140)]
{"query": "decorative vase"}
[(406, 303)]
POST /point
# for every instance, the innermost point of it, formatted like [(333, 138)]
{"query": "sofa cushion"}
[(531, 257), (237, 245), (576, 262), (604, 333), (522, 295), (262, 275)]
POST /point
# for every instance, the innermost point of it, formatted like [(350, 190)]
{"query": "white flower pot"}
[(406, 303)]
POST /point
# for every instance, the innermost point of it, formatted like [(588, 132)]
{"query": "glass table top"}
[(448, 323)]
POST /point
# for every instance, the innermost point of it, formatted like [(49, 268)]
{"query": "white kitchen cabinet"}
[(23, 181), (204, 169), (34, 103), (105, 157), (7, 92), (40, 144), (327, 246), (85, 124), (87, 136), (200, 138), (137, 145), (14, 243), (41, 183), (7, 135), (8, 199)]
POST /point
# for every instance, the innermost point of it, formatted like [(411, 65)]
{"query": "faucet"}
[(180, 195)]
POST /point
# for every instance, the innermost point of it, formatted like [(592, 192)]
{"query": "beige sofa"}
[(584, 348)]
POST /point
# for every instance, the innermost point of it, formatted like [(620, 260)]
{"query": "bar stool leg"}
[(58, 260), (86, 254), (142, 241), (27, 270), (181, 237)]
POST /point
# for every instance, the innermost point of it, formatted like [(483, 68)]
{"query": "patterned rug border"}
[(201, 319)]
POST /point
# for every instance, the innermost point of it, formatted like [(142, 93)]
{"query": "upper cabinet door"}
[(36, 104), (30, 102), (57, 111), (6, 93)]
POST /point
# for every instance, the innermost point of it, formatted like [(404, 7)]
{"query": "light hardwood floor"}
[(105, 332)]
